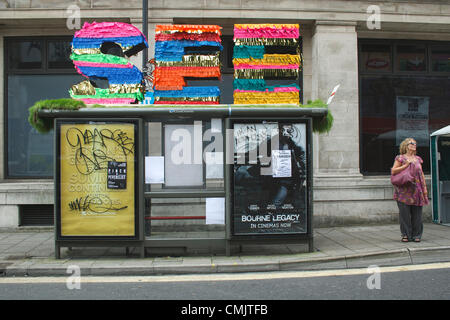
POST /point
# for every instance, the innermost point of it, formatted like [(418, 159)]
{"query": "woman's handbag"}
[(403, 177)]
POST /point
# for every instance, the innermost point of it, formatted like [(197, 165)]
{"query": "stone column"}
[(335, 61)]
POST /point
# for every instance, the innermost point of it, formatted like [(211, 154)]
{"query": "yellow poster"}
[(97, 179)]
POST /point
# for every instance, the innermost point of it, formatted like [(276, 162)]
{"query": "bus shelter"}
[(244, 171)]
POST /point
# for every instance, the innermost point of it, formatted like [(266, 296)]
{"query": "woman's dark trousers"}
[(410, 218)]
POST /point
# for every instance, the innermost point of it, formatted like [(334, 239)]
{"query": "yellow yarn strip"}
[(267, 25), (193, 61), (270, 59), (266, 97), (86, 51), (125, 88)]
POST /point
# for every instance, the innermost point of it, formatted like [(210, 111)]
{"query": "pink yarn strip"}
[(102, 65), (278, 89), (79, 71), (107, 30), (250, 66), (286, 89), (266, 33), (108, 101), (187, 102)]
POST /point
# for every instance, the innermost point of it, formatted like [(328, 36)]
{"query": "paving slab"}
[(325, 243), (82, 263), (348, 241)]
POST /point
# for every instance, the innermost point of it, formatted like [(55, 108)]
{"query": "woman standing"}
[(410, 197)]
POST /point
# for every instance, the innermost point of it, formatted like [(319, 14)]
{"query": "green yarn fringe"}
[(45, 125), (320, 125)]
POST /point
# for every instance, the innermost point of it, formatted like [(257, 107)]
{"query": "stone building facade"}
[(351, 162)]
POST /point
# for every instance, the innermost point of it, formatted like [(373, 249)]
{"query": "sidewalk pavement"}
[(31, 253)]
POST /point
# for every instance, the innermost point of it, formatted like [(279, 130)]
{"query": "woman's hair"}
[(404, 145)]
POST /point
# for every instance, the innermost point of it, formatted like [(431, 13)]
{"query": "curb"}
[(406, 256), (428, 255)]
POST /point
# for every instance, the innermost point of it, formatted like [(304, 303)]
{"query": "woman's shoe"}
[(417, 240), (405, 239)]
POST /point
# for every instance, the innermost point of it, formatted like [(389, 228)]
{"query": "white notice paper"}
[(154, 169), (281, 163), (412, 119), (215, 210), (183, 149)]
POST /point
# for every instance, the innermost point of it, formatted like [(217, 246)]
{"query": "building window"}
[(376, 58), (411, 58), (440, 59), (36, 69), (408, 100)]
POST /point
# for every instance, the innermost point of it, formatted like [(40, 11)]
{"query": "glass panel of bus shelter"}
[(171, 166), (184, 155), (187, 218)]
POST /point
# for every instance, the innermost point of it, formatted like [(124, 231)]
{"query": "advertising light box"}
[(270, 178), (96, 177)]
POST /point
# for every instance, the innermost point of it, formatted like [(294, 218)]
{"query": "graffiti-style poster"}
[(97, 173), (270, 177)]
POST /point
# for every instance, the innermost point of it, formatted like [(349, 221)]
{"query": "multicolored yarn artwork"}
[(98, 51), (186, 51), (265, 51)]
